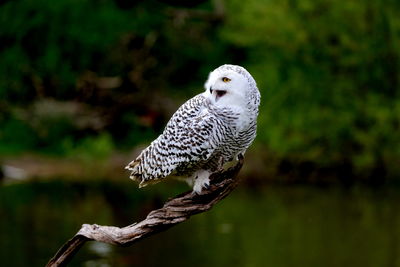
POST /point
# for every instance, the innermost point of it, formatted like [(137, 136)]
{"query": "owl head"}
[(232, 86)]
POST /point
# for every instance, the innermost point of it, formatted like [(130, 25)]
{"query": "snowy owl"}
[(210, 129)]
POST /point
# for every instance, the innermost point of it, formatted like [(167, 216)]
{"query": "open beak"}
[(217, 94)]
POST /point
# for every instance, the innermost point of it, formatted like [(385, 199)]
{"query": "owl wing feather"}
[(184, 143)]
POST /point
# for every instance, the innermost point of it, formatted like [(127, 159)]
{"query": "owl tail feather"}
[(136, 174), (133, 167), (143, 184)]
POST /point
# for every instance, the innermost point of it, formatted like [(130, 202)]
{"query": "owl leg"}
[(201, 180)]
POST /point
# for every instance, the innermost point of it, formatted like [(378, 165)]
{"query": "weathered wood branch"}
[(174, 211)]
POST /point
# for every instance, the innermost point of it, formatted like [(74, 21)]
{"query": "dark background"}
[(97, 76), (86, 84)]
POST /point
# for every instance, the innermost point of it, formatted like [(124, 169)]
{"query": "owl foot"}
[(201, 180)]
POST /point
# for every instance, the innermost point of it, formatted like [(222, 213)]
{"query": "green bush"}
[(46, 46), (15, 136), (328, 72)]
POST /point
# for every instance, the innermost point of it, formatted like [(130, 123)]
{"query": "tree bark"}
[(174, 211)]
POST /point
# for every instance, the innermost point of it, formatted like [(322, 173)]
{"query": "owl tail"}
[(136, 173), (133, 167)]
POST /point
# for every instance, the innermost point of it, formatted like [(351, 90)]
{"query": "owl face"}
[(229, 86)]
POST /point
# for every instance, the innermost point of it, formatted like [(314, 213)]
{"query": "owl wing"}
[(184, 143)]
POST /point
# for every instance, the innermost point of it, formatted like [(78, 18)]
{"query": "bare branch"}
[(174, 211)]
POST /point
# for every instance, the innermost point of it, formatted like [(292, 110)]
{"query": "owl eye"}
[(226, 79)]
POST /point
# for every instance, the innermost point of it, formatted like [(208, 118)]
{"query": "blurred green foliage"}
[(91, 76), (329, 72)]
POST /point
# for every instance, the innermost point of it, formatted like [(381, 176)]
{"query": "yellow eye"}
[(226, 79)]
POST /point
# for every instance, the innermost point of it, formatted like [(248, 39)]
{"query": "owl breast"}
[(231, 136)]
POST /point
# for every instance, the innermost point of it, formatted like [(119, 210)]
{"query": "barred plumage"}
[(205, 132)]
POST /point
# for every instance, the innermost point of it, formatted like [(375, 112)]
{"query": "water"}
[(259, 226)]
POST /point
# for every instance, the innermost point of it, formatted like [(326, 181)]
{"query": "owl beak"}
[(217, 94)]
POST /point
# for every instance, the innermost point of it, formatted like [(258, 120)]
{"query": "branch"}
[(174, 211)]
